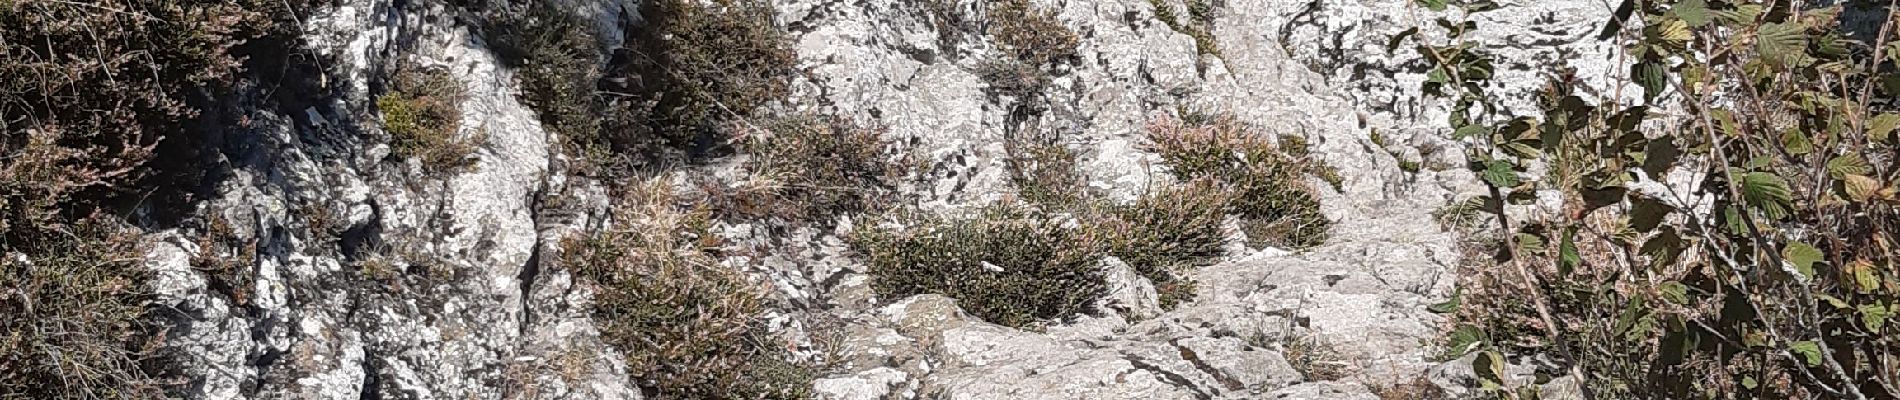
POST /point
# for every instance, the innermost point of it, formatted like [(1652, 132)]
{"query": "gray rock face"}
[(369, 277), (319, 215)]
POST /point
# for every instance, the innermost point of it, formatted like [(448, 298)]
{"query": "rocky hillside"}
[(341, 250)]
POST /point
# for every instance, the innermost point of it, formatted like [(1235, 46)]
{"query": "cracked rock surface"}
[(313, 211)]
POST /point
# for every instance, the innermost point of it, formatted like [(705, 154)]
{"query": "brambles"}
[(1741, 249), (689, 327), (1267, 183), (814, 168), (422, 113)]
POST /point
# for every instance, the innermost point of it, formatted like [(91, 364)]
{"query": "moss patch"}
[(422, 114)]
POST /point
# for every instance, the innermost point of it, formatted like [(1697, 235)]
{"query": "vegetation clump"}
[(94, 98), (1740, 246), (422, 113), (1199, 24), (1007, 264), (557, 66), (693, 67), (689, 327), (1167, 234), (1035, 43), (814, 168), (1267, 182)]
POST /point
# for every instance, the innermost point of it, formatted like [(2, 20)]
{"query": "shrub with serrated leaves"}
[(1730, 235)]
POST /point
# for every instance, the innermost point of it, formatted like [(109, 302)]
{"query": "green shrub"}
[(422, 112), (697, 67), (1167, 234), (1045, 173), (814, 168), (1767, 274), (1006, 264), (557, 65), (1268, 188), (689, 327)]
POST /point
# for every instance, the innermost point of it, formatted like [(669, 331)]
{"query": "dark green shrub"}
[(1045, 173), (557, 64), (689, 327), (692, 68), (1268, 188), (422, 112), (1167, 234), (1006, 264), (814, 168), (1738, 246)]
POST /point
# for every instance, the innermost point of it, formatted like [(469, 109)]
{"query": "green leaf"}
[(1653, 76), (1769, 193), (1803, 256), (1796, 143), (1434, 5), (1694, 12), (1808, 350), (1529, 244), (1490, 368), (1748, 382), (1874, 316), (1499, 173), (1865, 276), (1467, 131), (1449, 306), (1833, 301), (1567, 257), (1882, 126), (1675, 292), (1848, 164), (1463, 340), (1782, 42)]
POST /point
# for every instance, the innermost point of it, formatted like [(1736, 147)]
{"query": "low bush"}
[(1045, 174), (689, 327), (1269, 191), (1034, 43), (75, 316), (693, 67), (557, 65), (1007, 264), (1167, 234), (93, 97), (422, 112), (815, 168)]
